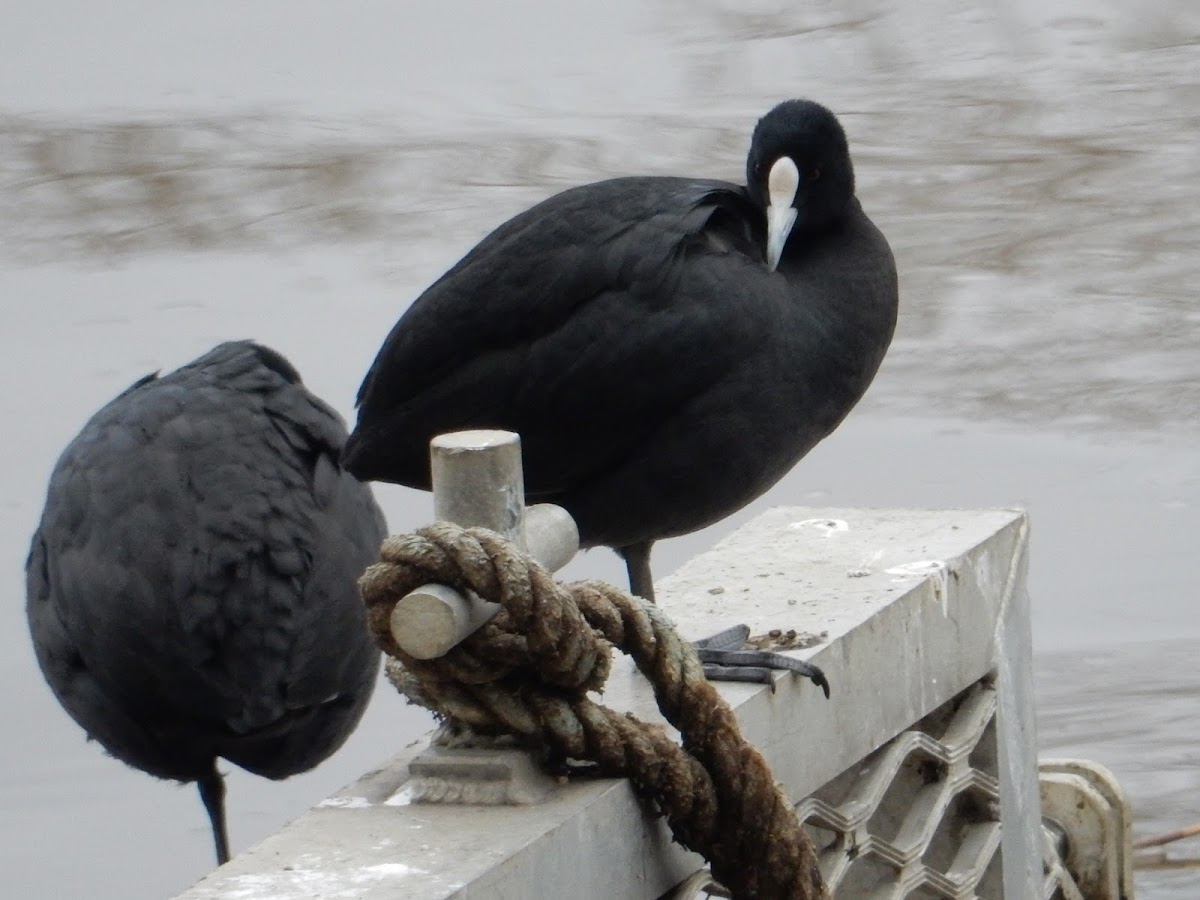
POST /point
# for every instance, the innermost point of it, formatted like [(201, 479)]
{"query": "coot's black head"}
[(799, 171)]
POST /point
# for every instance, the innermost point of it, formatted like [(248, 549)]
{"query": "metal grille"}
[(919, 817)]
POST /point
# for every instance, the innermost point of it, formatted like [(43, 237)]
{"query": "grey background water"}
[(297, 171)]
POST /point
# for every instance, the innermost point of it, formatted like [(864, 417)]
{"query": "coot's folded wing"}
[(576, 324)]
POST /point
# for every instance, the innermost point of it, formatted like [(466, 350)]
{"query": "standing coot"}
[(667, 348)]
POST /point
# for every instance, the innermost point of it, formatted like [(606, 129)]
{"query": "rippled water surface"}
[(296, 172)]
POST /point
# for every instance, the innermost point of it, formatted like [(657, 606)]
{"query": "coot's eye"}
[(816, 175)]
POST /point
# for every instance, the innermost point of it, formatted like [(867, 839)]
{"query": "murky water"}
[(297, 172)]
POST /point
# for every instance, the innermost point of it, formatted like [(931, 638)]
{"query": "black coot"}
[(667, 348), (191, 588)]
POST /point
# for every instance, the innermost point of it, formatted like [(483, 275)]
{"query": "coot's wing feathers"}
[(312, 530), (562, 315), (104, 573), (317, 528), (166, 574)]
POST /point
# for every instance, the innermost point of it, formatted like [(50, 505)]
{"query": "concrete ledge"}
[(916, 606)]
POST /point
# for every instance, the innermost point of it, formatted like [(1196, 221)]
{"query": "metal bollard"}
[(477, 481)]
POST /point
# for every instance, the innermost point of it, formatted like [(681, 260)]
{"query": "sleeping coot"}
[(191, 588), (667, 348)]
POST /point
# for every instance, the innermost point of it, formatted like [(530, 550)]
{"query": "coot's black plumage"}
[(191, 589), (667, 348)]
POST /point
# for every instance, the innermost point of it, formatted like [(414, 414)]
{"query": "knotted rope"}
[(529, 669)]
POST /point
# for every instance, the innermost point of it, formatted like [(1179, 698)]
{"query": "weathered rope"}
[(529, 669)]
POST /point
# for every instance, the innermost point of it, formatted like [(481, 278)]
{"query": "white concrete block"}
[(917, 604)]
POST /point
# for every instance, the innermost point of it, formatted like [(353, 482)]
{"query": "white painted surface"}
[(895, 651)]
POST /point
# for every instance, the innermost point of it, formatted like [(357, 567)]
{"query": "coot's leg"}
[(722, 654), (637, 563), (212, 792)]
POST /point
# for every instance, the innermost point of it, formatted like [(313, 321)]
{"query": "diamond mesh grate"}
[(919, 818)]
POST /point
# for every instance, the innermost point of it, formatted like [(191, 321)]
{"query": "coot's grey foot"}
[(724, 660)]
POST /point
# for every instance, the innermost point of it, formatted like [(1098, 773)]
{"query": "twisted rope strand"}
[(528, 672)]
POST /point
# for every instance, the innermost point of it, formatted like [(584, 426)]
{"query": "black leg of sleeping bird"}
[(637, 564), (212, 793), (725, 660)]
